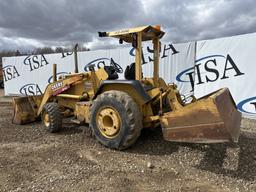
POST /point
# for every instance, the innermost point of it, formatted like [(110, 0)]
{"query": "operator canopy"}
[(148, 33)]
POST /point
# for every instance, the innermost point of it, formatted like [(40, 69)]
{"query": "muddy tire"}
[(115, 120), (52, 117)]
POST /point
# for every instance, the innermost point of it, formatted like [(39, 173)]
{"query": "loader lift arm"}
[(28, 109), (57, 88)]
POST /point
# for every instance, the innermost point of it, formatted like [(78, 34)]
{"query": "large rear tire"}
[(52, 117), (115, 120)]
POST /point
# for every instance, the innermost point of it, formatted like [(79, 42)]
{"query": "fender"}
[(133, 88)]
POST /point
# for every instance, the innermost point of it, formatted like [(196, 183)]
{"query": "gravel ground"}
[(31, 159)]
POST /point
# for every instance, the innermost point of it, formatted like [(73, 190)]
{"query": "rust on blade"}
[(205, 133), (228, 112), (211, 119), (24, 109)]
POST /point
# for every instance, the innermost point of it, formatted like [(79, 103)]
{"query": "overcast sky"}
[(25, 24)]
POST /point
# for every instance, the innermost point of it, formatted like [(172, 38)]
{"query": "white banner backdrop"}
[(29, 75), (225, 62), (228, 62), (197, 68)]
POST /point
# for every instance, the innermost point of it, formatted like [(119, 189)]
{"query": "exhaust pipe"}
[(54, 71), (75, 58)]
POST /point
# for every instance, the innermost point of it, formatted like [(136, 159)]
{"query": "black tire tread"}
[(55, 116)]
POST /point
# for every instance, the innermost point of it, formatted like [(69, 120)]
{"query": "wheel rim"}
[(46, 119), (109, 122)]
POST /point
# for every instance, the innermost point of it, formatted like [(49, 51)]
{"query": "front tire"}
[(52, 117), (115, 120)]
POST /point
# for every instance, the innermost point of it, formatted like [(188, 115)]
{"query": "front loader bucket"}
[(25, 109), (211, 119)]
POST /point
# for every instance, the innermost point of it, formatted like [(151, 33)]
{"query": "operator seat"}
[(111, 71), (129, 72)]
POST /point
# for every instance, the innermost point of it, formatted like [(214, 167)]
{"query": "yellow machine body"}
[(210, 119)]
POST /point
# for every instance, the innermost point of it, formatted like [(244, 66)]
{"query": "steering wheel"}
[(117, 67)]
